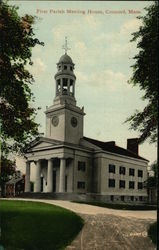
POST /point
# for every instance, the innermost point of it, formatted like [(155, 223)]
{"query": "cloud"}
[(38, 67), (112, 81), (90, 41), (130, 26), (117, 43), (124, 32), (92, 21)]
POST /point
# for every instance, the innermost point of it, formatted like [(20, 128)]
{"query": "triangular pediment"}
[(43, 143)]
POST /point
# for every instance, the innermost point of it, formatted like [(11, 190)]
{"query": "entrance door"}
[(41, 187), (66, 183), (54, 181)]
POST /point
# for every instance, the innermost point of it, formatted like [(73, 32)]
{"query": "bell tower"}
[(64, 120), (65, 79)]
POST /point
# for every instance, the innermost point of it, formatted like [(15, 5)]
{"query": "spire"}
[(65, 46)]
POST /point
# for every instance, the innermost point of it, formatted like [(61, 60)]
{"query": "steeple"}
[(64, 119), (65, 78)]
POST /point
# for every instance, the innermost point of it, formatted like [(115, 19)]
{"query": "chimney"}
[(110, 143), (132, 145)]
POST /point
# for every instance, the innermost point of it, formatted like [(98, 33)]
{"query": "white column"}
[(37, 177), (49, 176), (27, 177), (62, 175)]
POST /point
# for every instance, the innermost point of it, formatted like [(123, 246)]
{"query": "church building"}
[(77, 167)]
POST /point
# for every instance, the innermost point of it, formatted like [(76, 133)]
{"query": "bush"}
[(152, 232)]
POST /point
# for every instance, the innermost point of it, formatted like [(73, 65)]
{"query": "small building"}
[(67, 162), (15, 186)]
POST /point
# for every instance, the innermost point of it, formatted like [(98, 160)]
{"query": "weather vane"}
[(65, 46)]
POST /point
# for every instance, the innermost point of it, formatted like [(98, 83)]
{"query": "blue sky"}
[(102, 53)]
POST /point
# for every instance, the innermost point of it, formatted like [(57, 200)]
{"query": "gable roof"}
[(14, 180), (111, 147)]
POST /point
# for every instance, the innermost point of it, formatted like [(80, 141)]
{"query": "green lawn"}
[(34, 225), (152, 232), (119, 206)]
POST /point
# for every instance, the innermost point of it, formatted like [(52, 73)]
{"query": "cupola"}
[(65, 77)]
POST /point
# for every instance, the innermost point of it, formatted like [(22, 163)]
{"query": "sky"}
[(99, 35)]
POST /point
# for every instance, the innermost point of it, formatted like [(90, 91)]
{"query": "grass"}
[(36, 226), (152, 232), (119, 206)]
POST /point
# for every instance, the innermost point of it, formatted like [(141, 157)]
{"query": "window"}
[(140, 198), (81, 166), (132, 198), (112, 197), (122, 198), (71, 82), (111, 168), (65, 67), (131, 184), (122, 170), (111, 183), (140, 186), (71, 68), (65, 80), (122, 184), (81, 184), (131, 171), (58, 82), (140, 173)]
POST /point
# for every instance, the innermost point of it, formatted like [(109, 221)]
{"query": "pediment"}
[(43, 144)]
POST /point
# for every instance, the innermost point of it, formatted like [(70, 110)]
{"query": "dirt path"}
[(110, 229), (110, 232)]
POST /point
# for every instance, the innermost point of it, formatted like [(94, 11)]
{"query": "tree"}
[(7, 170), (152, 182), (145, 74), (17, 115)]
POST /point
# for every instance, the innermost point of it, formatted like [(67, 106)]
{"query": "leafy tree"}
[(7, 170), (17, 115), (152, 181), (145, 74)]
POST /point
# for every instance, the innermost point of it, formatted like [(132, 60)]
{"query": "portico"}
[(45, 168)]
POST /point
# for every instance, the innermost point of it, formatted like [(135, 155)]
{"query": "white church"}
[(72, 166)]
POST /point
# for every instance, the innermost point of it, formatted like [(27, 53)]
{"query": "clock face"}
[(74, 121), (55, 121)]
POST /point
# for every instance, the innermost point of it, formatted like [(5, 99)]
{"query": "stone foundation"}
[(90, 197)]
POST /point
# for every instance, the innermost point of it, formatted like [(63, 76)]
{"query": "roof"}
[(14, 181), (111, 147), (65, 59)]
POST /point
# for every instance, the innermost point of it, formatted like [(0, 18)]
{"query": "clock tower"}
[(64, 120)]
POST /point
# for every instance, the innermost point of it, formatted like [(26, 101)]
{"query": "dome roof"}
[(65, 59)]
